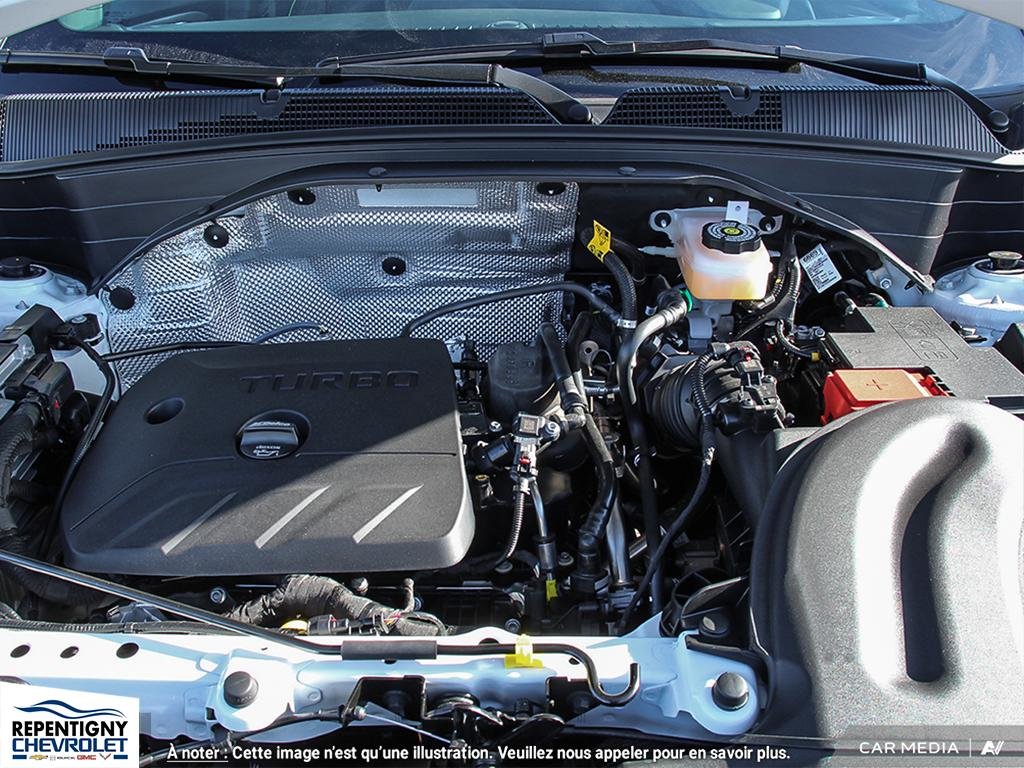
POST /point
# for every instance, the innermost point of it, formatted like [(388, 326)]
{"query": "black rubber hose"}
[(789, 346), (573, 401), (784, 301), (191, 346), (624, 281), (513, 293), (177, 346), (309, 596), (634, 256), (625, 366), (620, 272), (653, 568), (595, 524)]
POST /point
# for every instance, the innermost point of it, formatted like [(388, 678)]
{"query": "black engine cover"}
[(321, 457)]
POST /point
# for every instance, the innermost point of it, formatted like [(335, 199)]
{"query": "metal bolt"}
[(885, 283), (514, 626), (565, 559), (495, 426), (218, 595), (360, 585), (552, 430)]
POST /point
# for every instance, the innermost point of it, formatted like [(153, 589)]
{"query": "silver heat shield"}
[(359, 260)]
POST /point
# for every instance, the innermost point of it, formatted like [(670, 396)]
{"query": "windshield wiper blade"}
[(135, 61), (867, 68)]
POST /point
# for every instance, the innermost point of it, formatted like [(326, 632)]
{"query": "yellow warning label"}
[(601, 243)]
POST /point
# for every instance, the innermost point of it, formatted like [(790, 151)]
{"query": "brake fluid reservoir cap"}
[(731, 237)]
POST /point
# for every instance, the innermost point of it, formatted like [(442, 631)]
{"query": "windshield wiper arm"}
[(583, 46), (867, 68), (135, 61)]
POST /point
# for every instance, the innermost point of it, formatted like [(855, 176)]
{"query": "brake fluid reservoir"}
[(719, 258)]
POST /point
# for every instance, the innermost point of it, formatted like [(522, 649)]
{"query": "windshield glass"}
[(977, 51)]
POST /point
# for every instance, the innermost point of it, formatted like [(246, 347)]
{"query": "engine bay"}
[(404, 409)]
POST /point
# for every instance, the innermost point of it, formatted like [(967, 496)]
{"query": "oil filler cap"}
[(266, 440), (731, 237)]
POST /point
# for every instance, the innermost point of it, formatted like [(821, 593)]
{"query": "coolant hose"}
[(309, 596), (625, 367)]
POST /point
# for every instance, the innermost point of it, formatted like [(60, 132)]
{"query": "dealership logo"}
[(49, 724)]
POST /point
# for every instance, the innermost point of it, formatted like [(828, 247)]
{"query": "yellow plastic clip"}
[(551, 589), (523, 657)]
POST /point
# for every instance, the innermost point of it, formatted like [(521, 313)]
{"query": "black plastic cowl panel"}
[(38, 126), (900, 115), (44, 126), (886, 584)]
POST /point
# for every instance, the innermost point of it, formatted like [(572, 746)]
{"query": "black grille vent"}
[(3, 127), (697, 107), (45, 126), (912, 115)]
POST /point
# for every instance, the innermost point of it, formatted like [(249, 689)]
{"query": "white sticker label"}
[(819, 268), (47, 724)]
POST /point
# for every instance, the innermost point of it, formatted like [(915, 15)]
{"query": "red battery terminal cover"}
[(852, 390)]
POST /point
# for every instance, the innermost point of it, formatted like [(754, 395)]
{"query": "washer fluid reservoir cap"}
[(731, 237)]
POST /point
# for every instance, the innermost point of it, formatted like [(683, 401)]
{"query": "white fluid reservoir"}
[(720, 259), (987, 296), (23, 285)]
